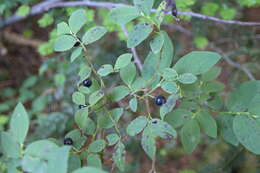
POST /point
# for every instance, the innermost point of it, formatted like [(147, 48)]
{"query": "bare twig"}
[(20, 39), (36, 9), (133, 50), (215, 19), (49, 4), (153, 167), (217, 49), (232, 63)]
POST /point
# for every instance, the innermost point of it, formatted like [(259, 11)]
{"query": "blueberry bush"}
[(125, 102)]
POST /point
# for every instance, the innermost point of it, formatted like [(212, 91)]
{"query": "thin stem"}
[(240, 113), (91, 65), (137, 59), (153, 167), (114, 122), (140, 66)]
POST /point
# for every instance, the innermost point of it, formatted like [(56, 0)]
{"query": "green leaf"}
[(187, 78), (128, 74), (41, 149), (162, 129), (94, 161), (84, 73), (123, 60), (74, 162), (207, 123), (81, 118), (212, 86), (254, 107), (94, 34), (45, 20), (40, 103), (29, 82), (201, 42), (119, 156), (97, 146), (95, 97), (197, 62), (117, 113), (75, 54), (63, 28), (190, 135), (59, 80), (150, 66), (9, 146), (169, 74), (210, 8), (133, 103), (138, 84), (108, 119), (168, 106), (241, 98), (33, 164), (178, 117), (157, 43), (228, 13), (148, 143), (144, 5), (90, 127), (77, 20), (166, 53), (105, 70), (122, 15), (112, 139), (212, 74), (136, 126), (64, 42), (88, 170), (119, 92), (19, 123), (78, 98), (247, 131), (139, 33), (216, 102), (23, 10), (59, 165), (225, 124), (170, 87)]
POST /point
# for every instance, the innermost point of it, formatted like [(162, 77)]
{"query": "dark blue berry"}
[(82, 106), (87, 83), (68, 141), (154, 121), (160, 100), (77, 44)]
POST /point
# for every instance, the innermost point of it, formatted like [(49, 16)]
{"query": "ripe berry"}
[(82, 106), (87, 83), (160, 100), (174, 12), (77, 44), (68, 141)]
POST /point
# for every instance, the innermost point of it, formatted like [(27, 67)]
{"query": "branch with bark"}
[(51, 4), (220, 51)]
